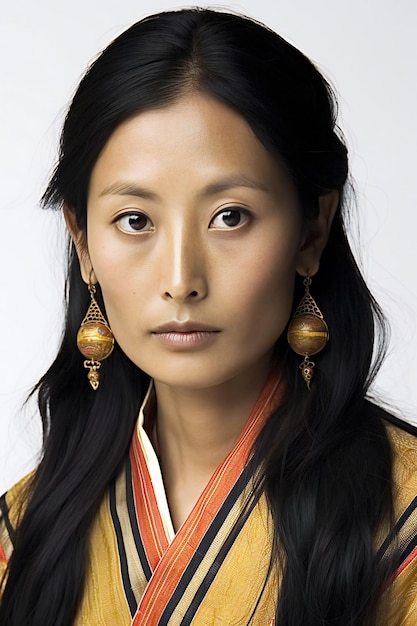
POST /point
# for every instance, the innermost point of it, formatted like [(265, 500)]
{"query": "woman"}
[(202, 179)]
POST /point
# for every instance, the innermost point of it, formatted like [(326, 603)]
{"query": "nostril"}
[(180, 295)]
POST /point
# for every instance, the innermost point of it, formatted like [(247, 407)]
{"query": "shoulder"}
[(399, 428), (403, 440), (12, 505), (398, 605)]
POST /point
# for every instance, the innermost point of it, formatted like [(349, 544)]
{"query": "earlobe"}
[(80, 243), (317, 235)]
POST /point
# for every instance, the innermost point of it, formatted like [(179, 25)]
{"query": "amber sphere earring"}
[(95, 340), (307, 333)]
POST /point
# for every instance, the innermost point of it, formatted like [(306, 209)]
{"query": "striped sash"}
[(179, 578)]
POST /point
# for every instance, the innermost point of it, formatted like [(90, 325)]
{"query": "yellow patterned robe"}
[(212, 571)]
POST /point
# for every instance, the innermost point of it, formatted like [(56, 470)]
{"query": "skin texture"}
[(191, 221)]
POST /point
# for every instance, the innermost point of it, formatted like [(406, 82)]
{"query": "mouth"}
[(184, 328), (185, 335)]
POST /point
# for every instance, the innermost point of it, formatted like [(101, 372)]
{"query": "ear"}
[(316, 235), (79, 240)]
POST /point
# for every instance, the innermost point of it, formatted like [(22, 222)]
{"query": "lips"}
[(184, 327), (185, 336)]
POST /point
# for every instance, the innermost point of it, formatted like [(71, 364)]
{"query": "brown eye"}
[(229, 218), (132, 223)]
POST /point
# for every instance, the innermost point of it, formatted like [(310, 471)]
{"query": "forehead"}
[(197, 138)]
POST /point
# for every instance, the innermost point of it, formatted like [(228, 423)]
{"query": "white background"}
[(367, 49)]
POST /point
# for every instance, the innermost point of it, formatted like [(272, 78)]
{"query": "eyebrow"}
[(130, 189)]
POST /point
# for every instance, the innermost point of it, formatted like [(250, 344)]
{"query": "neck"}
[(202, 425), (196, 429)]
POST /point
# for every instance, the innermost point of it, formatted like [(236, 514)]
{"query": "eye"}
[(229, 218), (132, 223)]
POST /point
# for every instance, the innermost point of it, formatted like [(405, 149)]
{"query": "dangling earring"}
[(307, 333), (95, 340)]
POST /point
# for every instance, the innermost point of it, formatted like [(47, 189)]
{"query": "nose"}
[(184, 268)]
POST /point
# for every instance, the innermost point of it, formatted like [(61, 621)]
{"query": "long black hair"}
[(324, 455)]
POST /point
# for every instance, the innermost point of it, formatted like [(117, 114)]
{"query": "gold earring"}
[(95, 340), (307, 333)]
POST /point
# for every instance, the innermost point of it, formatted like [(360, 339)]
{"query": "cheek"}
[(119, 284), (123, 299), (265, 291)]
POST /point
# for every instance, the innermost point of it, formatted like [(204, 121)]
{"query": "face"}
[(195, 237)]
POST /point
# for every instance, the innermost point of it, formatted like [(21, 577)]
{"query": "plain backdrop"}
[(368, 51)]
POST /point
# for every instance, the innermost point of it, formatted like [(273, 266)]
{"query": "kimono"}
[(216, 569)]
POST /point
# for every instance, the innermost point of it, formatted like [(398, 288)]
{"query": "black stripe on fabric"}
[(201, 552), (5, 511), (396, 529), (130, 596), (406, 426), (209, 577), (130, 501)]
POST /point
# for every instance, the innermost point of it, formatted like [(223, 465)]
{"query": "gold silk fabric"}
[(398, 603), (212, 572)]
